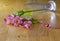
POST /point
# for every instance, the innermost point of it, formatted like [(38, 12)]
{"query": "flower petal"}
[(48, 25), (8, 21), (5, 19), (29, 22), (27, 26), (41, 22), (11, 15), (15, 25)]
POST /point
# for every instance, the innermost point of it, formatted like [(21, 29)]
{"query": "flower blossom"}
[(17, 21)]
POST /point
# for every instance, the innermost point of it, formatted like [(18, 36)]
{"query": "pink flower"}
[(5, 19), (16, 25), (29, 22), (41, 22), (11, 16), (27, 26), (17, 21), (48, 25), (22, 24), (8, 20)]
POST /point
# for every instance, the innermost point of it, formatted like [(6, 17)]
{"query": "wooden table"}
[(37, 32)]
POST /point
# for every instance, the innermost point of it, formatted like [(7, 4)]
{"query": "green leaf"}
[(29, 13), (34, 21), (22, 12)]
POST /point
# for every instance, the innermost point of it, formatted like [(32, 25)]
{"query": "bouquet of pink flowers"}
[(16, 20)]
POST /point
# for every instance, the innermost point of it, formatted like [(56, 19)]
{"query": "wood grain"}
[(37, 32)]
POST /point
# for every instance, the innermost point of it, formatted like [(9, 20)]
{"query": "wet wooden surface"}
[(37, 32)]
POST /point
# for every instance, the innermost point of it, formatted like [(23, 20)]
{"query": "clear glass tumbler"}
[(34, 5)]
